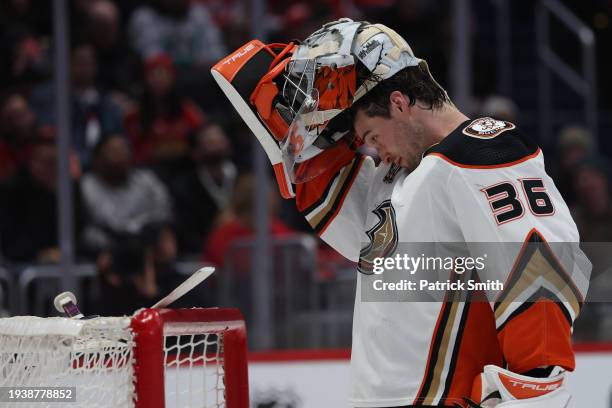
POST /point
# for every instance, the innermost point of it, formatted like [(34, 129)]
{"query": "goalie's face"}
[(398, 139)]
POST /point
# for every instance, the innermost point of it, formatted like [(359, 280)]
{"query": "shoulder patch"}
[(487, 128)]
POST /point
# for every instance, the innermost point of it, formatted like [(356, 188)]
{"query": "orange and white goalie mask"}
[(295, 98)]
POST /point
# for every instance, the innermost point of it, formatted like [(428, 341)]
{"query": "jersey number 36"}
[(506, 204)]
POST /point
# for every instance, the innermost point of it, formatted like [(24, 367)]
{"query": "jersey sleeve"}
[(518, 213), (509, 210), (335, 203)]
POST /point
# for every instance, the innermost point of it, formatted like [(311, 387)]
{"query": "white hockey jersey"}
[(485, 182)]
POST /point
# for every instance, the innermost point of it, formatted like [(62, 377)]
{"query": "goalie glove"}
[(500, 388)]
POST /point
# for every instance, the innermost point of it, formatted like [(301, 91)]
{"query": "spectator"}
[(238, 223), (205, 189), (185, 31), (593, 216), (499, 107), (575, 143), (422, 22), (28, 210), (16, 11), (179, 28), (127, 278), (23, 56), (117, 63), (93, 112), (17, 131), (299, 18), (160, 129), (161, 245), (232, 18), (120, 200), (139, 270), (593, 210), (235, 226)]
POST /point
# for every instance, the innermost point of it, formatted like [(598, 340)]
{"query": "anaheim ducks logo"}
[(486, 128), (383, 238)]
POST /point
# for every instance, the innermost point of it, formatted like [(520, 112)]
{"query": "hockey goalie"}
[(440, 177)]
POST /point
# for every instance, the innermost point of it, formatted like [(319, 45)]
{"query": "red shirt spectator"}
[(7, 161), (239, 224), (159, 130), (17, 131), (222, 238)]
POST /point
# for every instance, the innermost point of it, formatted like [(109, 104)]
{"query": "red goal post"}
[(157, 358), (153, 330)]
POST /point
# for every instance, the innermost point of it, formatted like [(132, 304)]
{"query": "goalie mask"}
[(296, 98)]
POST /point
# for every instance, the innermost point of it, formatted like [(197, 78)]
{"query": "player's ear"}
[(398, 102)]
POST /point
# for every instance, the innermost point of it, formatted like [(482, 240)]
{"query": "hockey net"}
[(157, 358)]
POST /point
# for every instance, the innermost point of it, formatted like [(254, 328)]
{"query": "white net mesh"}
[(97, 357), (194, 370)]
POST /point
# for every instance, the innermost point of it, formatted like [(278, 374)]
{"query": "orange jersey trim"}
[(539, 336), (341, 202)]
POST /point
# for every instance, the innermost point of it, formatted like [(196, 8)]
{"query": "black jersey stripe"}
[(453, 362), (436, 361), (542, 293), (435, 349)]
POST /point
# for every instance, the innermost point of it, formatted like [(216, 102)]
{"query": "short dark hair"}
[(414, 82), (99, 146)]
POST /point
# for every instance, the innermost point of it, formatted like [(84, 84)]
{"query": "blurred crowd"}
[(160, 164)]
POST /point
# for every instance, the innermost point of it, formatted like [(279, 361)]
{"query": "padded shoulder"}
[(485, 142)]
